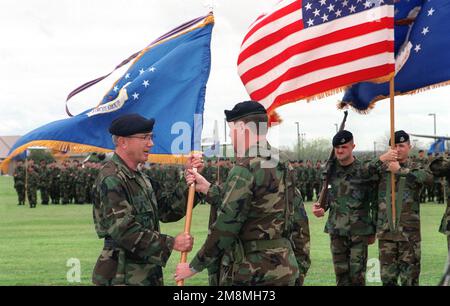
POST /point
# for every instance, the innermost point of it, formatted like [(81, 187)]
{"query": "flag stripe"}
[(293, 51), (341, 41), (321, 63), (292, 10), (317, 76), (263, 54), (270, 40), (274, 26), (342, 80)]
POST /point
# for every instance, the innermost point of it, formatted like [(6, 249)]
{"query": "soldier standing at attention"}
[(80, 178), (423, 162), (32, 185), (128, 208), (65, 183), (350, 220), (430, 185), (19, 182), (310, 177), (399, 240), (257, 236), (440, 167), (44, 182), (55, 183)]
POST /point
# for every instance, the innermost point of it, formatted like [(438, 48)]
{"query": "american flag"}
[(304, 48)]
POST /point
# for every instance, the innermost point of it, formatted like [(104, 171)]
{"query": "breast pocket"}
[(144, 212), (358, 191)]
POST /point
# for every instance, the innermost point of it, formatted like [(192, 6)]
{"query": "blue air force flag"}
[(166, 81), (422, 60)]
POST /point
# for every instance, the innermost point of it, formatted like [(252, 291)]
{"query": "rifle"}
[(323, 197)]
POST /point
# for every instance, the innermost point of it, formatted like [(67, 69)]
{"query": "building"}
[(6, 143)]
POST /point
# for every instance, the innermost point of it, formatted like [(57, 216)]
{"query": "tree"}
[(40, 154)]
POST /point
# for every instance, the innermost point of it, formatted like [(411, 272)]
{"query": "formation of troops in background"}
[(71, 181), (66, 183)]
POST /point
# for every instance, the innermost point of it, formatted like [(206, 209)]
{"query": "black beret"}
[(342, 137), (130, 124), (244, 109), (400, 137)]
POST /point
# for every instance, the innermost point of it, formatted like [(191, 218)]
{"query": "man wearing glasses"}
[(128, 207)]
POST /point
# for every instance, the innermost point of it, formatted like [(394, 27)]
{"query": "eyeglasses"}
[(146, 137)]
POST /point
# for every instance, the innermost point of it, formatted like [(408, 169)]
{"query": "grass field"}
[(36, 245)]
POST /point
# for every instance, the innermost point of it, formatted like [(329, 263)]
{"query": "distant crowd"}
[(71, 181)]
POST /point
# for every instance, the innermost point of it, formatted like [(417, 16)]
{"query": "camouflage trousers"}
[(309, 192), (439, 193), (349, 259), (115, 268), (80, 193), (430, 193), (399, 260), (44, 195), (21, 194), (270, 267), (32, 197), (423, 195), (66, 194), (54, 194), (214, 273)]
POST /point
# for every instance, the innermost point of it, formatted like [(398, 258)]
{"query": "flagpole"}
[(392, 92), (187, 224)]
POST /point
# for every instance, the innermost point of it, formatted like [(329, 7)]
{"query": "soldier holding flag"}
[(399, 239), (258, 236), (128, 208)]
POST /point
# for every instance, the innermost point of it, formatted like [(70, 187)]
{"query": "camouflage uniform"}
[(92, 175), (89, 169), (19, 183), (127, 210), (441, 168), (301, 179), (309, 182), (300, 235), (257, 234), (445, 222), (65, 181), (423, 163), (400, 249), (32, 186), (223, 172), (79, 179), (210, 174), (350, 220), (55, 173), (44, 183), (429, 185)]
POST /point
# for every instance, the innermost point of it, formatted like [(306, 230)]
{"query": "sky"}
[(50, 47)]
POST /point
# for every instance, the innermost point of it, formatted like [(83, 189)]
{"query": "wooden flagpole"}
[(187, 224), (392, 92)]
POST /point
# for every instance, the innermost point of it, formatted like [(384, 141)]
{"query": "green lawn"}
[(36, 244)]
